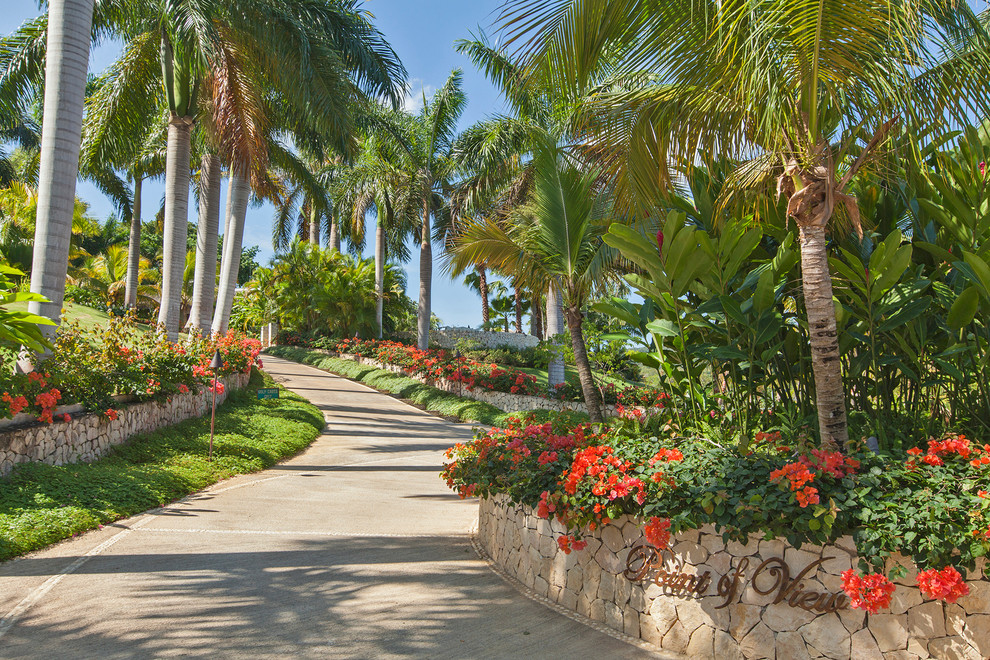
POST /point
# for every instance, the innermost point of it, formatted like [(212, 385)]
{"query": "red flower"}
[(867, 592), (111, 413), (946, 584), (660, 242), (657, 532)]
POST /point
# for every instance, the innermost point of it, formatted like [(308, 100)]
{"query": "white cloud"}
[(415, 91)]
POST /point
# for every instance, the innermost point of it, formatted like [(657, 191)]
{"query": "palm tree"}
[(556, 241), (207, 231), (340, 59), (805, 93), (376, 182), (310, 61), (65, 76), (478, 280), (428, 141)]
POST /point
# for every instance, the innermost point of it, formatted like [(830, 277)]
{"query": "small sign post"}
[(267, 393), (215, 364)]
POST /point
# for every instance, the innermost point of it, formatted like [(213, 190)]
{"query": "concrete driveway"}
[(353, 549)]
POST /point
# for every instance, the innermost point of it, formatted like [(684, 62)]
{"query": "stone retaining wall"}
[(502, 400), (89, 436), (684, 615), (448, 338)]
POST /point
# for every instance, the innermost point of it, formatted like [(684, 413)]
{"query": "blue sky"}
[(422, 32)]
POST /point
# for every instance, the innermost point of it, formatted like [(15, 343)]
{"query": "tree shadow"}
[(344, 597)]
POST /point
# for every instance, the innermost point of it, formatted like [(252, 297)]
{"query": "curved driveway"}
[(353, 549)]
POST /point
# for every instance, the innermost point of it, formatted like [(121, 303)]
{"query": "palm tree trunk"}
[(240, 194), (425, 283), (334, 240), (829, 391), (134, 248), (314, 227), (176, 224), (205, 277), (592, 398), (519, 312), (555, 326), (483, 290), (536, 317), (67, 59), (379, 276)]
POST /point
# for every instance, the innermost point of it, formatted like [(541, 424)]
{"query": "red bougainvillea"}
[(657, 532), (946, 584), (867, 592)]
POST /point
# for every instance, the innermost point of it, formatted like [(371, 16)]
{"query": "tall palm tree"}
[(376, 182), (556, 241), (207, 231), (341, 59), (309, 60), (428, 141), (67, 60), (804, 92)]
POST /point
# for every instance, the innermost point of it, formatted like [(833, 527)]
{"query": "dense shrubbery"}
[(316, 292), (930, 503), (91, 368), (533, 357)]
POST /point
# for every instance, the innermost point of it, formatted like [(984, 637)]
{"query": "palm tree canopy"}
[(810, 80)]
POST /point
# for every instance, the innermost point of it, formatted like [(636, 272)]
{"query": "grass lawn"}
[(89, 318), (41, 504), (408, 388)]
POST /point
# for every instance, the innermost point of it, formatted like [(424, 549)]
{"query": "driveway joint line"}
[(14, 615)]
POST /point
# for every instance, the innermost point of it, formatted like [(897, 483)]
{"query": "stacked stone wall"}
[(732, 613), (448, 338), (87, 437)]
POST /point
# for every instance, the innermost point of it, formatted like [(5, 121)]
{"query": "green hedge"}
[(41, 504)]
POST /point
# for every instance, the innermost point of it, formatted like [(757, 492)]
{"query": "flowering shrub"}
[(441, 364), (946, 584), (91, 368), (867, 592), (33, 393), (474, 374), (798, 475), (936, 512)]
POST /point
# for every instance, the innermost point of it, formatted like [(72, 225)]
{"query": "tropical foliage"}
[(321, 292)]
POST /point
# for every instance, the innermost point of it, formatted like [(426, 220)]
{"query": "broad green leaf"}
[(964, 309)]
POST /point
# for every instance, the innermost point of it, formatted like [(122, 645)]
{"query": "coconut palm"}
[(308, 60), (804, 92), (306, 206), (495, 154), (478, 280), (555, 242)]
